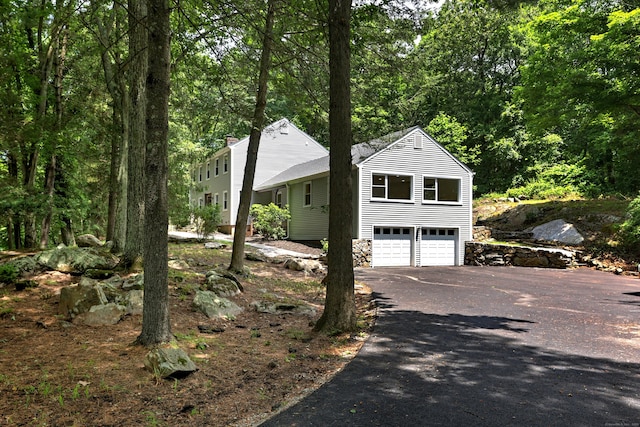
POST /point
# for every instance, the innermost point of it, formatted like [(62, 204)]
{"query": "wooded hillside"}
[(540, 99)]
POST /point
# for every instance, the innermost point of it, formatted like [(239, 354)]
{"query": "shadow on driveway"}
[(422, 369)]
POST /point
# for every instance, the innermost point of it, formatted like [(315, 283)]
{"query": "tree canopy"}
[(542, 98)]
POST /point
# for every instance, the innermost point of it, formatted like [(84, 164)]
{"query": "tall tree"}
[(340, 308), (136, 149), (156, 327), (237, 256)]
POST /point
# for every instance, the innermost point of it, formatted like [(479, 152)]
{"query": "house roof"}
[(359, 153), (312, 167)]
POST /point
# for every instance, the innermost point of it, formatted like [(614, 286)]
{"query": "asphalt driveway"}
[(480, 346)]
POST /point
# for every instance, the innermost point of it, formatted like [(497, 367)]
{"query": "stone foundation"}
[(478, 253), (362, 253)]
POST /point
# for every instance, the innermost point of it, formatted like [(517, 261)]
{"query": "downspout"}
[(289, 220)]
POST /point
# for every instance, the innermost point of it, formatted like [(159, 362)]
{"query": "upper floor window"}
[(445, 190), (225, 164), (216, 167), (391, 187), (307, 193), (200, 174), (208, 170)]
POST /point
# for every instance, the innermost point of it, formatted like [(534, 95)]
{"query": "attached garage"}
[(438, 246), (391, 246)]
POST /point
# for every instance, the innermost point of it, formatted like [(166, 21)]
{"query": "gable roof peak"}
[(364, 150)]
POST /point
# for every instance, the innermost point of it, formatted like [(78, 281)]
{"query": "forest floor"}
[(56, 373)]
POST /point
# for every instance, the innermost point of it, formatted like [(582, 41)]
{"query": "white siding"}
[(430, 160), (311, 222)]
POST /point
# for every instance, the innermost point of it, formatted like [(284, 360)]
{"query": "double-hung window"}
[(440, 190), (216, 168), (225, 200), (225, 164), (391, 187), (306, 188), (208, 170)]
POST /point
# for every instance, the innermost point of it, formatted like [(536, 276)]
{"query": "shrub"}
[(8, 274), (269, 220), (630, 228), (206, 219)]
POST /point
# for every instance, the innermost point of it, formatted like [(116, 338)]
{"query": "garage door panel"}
[(391, 247), (439, 248)]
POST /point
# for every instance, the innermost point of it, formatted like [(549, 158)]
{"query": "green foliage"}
[(554, 182), (325, 245), (206, 219), (453, 136), (8, 274), (630, 229), (269, 220)]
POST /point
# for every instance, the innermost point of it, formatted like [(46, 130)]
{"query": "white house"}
[(412, 200), (218, 180)]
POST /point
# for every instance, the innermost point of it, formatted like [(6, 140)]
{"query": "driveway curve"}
[(481, 346)]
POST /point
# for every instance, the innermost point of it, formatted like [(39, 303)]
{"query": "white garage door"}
[(438, 247), (391, 247)]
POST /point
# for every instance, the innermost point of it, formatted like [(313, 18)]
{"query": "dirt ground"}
[(56, 373)]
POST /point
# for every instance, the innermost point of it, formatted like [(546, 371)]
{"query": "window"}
[(207, 199), (279, 198), (216, 199), (391, 187), (208, 170), (216, 170), (307, 193), (225, 164), (225, 200), (200, 174), (446, 190)]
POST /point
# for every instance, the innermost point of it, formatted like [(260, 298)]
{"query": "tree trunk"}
[(49, 181), (66, 232), (340, 309), (237, 255), (113, 187), (50, 175), (136, 127), (156, 327)]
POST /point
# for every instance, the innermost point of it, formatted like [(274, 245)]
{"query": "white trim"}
[(386, 198), (304, 194), (441, 202), (216, 167), (360, 203), (225, 163)]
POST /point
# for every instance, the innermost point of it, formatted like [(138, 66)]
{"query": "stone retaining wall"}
[(478, 253)]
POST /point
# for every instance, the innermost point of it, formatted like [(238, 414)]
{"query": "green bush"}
[(630, 228), (269, 220), (206, 219), (8, 274)]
